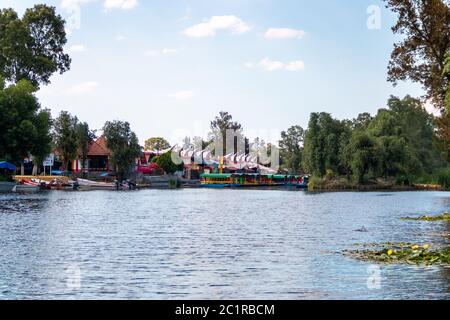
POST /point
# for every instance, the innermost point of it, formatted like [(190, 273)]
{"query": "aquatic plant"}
[(443, 217), (400, 253)]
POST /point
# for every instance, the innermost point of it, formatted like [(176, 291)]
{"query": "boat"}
[(249, 180), (85, 184), (6, 186)]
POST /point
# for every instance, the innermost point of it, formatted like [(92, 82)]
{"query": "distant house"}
[(98, 159)]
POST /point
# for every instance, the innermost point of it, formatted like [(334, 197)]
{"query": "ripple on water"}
[(207, 244)]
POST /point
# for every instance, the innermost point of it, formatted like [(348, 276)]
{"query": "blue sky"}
[(168, 67)]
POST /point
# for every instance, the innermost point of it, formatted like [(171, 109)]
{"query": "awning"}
[(7, 166)]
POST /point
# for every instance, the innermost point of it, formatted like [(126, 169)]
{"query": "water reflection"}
[(212, 244)]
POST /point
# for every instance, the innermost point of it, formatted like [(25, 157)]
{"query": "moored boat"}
[(94, 185), (249, 180), (6, 186)]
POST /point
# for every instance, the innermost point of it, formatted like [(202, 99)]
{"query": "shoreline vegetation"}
[(400, 147), (406, 252), (403, 253)]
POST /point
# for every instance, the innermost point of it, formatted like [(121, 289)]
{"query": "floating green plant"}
[(443, 217), (404, 253)]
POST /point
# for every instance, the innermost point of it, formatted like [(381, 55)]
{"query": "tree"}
[(362, 147), (85, 137), (65, 137), (291, 148), (157, 144), (447, 75), (392, 154), (32, 48), (420, 56), (322, 144), (42, 141), (406, 119), (219, 127), (25, 126), (166, 163), (123, 144)]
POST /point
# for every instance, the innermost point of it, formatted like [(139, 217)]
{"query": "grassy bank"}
[(438, 181)]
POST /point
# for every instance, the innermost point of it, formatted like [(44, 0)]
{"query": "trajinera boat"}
[(239, 180)]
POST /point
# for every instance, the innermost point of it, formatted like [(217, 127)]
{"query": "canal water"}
[(214, 244)]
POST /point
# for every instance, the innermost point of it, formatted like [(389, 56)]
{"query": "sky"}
[(169, 67)]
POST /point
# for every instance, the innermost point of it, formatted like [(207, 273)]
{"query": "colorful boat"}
[(239, 180)]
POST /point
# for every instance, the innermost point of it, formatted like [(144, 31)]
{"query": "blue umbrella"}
[(7, 166)]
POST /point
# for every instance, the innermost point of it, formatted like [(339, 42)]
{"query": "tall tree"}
[(220, 125), (32, 48), (447, 75), (322, 144), (291, 147), (123, 144), (65, 137), (420, 56), (85, 137), (157, 144), (24, 125), (363, 148)]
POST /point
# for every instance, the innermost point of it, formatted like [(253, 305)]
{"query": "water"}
[(213, 244)]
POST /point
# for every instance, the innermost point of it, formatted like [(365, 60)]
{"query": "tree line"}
[(399, 141)]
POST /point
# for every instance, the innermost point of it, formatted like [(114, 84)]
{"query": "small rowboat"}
[(93, 185)]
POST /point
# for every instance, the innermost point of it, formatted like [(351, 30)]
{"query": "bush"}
[(443, 178)]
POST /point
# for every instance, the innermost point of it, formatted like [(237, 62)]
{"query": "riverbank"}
[(346, 184)]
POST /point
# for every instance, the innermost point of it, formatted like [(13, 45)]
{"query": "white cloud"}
[(76, 48), (184, 95), (215, 23), (120, 37), (284, 33), (83, 88), (120, 4), (249, 65), (270, 65)]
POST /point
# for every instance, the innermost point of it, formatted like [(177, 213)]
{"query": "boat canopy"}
[(7, 166), (216, 176)]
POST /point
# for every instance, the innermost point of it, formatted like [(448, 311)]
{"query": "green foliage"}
[(85, 137), (291, 148), (443, 178), (32, 48), (25, 127), (443, 217), (166, 163), (363, 148), (447, 76), (157, 144), (123, 144), (323, 141), (65, 136), (419, 255), (398, 142), (424, 29), (219, 127)]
